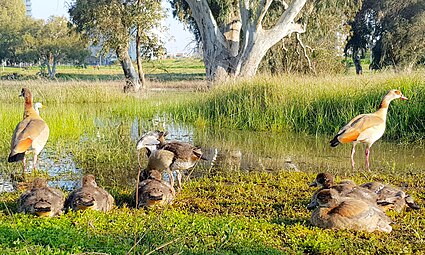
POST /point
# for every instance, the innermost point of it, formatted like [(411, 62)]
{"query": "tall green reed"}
[(313, 105)]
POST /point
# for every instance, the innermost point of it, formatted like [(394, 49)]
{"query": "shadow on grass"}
[(162, 77)]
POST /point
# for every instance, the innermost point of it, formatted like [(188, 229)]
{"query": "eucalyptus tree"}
[(393, 30), (12, 19), (232, 33), (112, 23), (55, 42), (321, 48)]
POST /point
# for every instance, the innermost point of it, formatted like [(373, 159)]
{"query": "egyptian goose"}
[(390, 197), (37, 107), (336, 212), (345, 188), (366, 128), (154, 191), (89, 196), (30, 134), (185, 154), (41, 200)]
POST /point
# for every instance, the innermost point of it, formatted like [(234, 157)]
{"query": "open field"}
[(223, 211), (157, 71)]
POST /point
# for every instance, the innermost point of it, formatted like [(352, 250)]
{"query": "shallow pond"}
[(107, 149)]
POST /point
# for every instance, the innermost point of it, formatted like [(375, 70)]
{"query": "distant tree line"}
[(27, 40)]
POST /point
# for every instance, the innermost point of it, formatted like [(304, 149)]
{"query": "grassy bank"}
[(314, 105), (228, 213), (184, 69), (223, 211)]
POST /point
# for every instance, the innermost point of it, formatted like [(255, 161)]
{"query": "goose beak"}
[(313, 184), (403, 97)]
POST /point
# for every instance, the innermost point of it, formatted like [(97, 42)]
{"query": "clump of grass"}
[(230, 213), (313, 105)]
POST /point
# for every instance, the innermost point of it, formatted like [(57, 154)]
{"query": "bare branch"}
[(288, 15), (262, 10), (310, 66)]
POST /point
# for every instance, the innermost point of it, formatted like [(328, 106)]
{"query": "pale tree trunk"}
[(132, 82), (237, 49), (51, 65), (139, 60)]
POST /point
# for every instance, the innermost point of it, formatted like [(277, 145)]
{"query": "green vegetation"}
[(230, 213), (220, 210), (314, 105)]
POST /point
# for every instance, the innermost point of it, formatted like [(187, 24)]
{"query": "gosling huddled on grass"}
[(41, 200), (345, 205), (89, 196)]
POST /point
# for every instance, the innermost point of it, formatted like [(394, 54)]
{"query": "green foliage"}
[(12, 21), (394, 31), (323, 41), (111, 23), (320, 106)]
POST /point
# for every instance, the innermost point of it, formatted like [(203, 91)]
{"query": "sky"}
[(178, 39)]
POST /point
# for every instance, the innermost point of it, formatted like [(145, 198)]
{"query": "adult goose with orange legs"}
[(30, 134), (366, 128), (185, 154)]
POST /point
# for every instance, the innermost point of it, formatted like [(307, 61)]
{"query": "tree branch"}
[(310, 66), (203, 16), (262, 10), (288, 16)]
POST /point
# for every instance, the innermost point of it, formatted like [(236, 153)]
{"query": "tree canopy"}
[(393, 30), (113, 23)]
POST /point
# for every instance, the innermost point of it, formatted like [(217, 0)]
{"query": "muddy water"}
[(233, 150)]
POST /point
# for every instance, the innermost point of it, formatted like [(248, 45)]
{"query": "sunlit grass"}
[(230, 213), (314, 105), (222, 211)]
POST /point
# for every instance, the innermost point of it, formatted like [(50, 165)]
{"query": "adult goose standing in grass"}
[(366, 128), (30, 134), (336, 212), (89, 196), (41, 200), (186, 155), (37, 107)]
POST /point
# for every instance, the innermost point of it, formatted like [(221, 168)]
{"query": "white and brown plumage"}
[(41, 200), (89, 196), (153, 191), (345, 188), (186, 155), (30, 134), (336, 212), (391, 198), (366, 128)]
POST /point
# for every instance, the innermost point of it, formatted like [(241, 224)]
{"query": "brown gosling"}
[(345, 188), (41, 200), (89, 196), (153, 191), (336, 212), (391, 198)]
